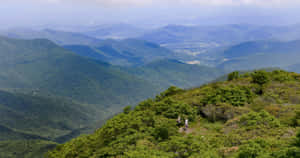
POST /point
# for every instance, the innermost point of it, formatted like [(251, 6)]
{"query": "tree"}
[(127, 109), (297, 143), (253, 149), (260, 77), (233, 76)]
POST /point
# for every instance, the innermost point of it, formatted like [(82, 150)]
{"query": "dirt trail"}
[(187, 131)]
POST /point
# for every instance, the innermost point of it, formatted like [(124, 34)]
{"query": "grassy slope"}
[(237, 118)]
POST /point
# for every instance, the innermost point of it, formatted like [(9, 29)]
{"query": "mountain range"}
[(49, 94), (59, 37), (56, 85), (260, 54), (129, 52)]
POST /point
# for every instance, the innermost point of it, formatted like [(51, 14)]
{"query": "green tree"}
[(260, 77), (233, 76), (253, 149), (127, 109)]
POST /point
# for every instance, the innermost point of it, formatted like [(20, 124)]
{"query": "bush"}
[(169, 92), (281, 76), (172, 109), (127, 109), (253, 149), (234, 95), (161, 133), (262, 118), (297, 142), (260, 77), (233, 76)]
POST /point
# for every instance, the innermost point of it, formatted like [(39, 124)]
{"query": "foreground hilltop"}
[(251, 115)]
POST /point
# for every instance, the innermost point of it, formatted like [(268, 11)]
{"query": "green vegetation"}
[(232, 76), (25, 116), (53, 95), (25, 148), (129, 52), (30, 125), (59, 37), (227, 120), (50, 94), (166, 73), (44, 68), (261, 54)]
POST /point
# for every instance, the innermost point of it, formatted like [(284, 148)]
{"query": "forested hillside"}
[(169, 72), (49, 95), (45, 68), (59, 37), (31, 124), (256, 114), (129, 52), (261, 54)]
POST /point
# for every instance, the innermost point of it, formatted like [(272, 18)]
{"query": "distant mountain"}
[(59, 37), (123, 52), (261, 54), (169, 72), (200, 43), (114, 31), (47, 68), (294, 68), (49, 95), (225, 34)]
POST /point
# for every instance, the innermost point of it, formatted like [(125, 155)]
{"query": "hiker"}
[(178, 121), (186, 123)]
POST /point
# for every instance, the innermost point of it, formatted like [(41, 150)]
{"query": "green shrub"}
[(260, 77), (172, 109), (127, 109), (233, 76), (297, 142), (169, 92), (234, 95), (281, 76), (253, 149), (258, 119)]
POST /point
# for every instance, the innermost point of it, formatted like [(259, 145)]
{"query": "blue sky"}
[(18, 13)]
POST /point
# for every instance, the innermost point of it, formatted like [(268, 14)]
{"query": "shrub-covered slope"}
[(251, 115)]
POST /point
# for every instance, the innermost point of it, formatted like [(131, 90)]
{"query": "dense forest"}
[(255, 114)]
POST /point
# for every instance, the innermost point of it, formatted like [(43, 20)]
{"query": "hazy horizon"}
[(147, 13)]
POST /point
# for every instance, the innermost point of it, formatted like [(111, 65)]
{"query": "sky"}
[(147, 13)]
